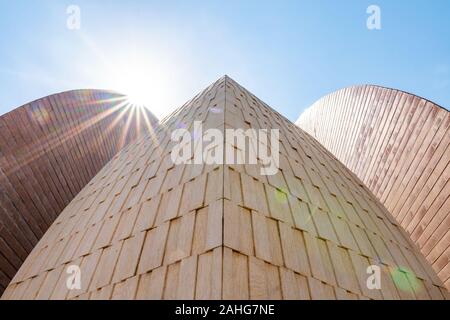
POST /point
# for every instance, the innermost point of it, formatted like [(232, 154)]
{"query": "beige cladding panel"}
[(398, 144), (224, 231)]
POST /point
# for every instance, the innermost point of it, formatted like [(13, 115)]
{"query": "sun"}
[(138, 88), (140, 99), (146, 75), (143, 83)]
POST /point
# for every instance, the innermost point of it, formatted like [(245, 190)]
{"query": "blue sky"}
[(288, 53)]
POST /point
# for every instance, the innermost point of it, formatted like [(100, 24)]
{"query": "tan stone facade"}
[(144, 228)]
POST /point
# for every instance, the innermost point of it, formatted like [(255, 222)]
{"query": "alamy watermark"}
[(73, 281), (373, 281), (249, 146), (374, 20), (74, 17)]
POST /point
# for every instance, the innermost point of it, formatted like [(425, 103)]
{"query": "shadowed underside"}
[(49, 150), (145, 228), (398, 144)]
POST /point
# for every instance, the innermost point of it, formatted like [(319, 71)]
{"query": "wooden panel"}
[(145, 228), (49, 150), (398, 144)]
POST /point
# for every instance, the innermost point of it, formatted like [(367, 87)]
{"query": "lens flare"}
[(405, 280)]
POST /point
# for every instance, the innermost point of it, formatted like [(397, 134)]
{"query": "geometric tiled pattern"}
[(145, 228), (398, 144), (49, 150)]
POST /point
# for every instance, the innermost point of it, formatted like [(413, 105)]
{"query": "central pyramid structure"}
[(145, 228)]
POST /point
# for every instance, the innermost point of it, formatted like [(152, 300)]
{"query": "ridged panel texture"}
[(145, 228), (398, 144), (49, 150)]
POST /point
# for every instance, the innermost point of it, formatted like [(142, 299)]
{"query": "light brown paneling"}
[(49, 150), (154, 230), (398, 144)]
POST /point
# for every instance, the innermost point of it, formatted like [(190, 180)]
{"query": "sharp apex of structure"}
[(147, 227)]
